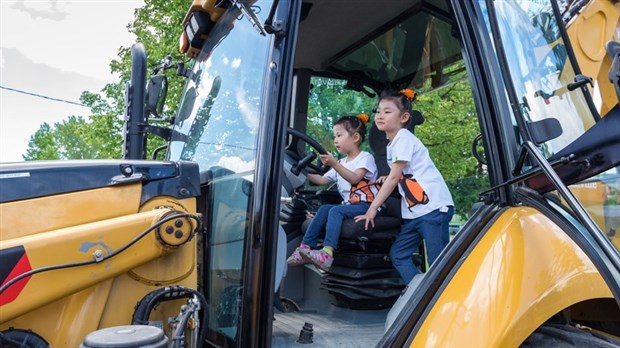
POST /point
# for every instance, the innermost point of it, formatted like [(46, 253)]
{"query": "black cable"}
[(90, 262), (42, 96)]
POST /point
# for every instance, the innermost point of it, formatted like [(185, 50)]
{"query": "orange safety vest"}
[(362, 192)]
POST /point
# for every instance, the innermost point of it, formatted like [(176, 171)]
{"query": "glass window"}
[(328, 101), (600, 196), (540, 70), (217, 127), (217, 122)]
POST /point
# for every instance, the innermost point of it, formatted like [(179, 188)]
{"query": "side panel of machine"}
[(64, 304), (524, 270)]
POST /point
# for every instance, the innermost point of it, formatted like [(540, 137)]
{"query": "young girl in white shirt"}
[(426, 203), (355, 175)]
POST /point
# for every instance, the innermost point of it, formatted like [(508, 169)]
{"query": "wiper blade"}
[(251, 16)]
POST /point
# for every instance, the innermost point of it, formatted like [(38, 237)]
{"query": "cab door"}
[(231, 123)]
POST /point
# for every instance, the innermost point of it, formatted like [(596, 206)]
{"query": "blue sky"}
[(57, 49)]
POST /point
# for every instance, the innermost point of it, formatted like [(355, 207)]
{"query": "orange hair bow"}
[(363, 118), (410, 94)]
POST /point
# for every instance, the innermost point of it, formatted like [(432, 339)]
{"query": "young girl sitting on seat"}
[(353, 175), (426, 203)]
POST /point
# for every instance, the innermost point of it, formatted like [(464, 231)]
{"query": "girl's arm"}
[(318, 179), (353, 177), (386, 189)]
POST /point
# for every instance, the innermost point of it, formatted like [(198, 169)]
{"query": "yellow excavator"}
[(190, 251), (590, 26)]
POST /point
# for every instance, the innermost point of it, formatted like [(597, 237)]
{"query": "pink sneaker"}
[(319, 258), (295, 259)]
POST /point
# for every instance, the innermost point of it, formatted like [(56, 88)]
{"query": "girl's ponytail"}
[(403, 98), (355, 124)]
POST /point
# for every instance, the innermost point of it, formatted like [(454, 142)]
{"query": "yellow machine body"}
[(589, 32), (524, 270), (72, 227)]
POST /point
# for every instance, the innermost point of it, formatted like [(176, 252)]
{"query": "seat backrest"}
[(378, 143)]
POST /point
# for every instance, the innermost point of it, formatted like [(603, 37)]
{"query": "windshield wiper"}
[(250, 15)]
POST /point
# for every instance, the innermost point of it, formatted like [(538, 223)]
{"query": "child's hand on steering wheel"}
[(328, 159)]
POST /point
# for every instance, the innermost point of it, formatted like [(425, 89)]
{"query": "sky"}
[(56, 49)]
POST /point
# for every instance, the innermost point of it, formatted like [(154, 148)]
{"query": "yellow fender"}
[(524, 270)]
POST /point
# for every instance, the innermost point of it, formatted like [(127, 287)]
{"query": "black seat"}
[(362, 275)]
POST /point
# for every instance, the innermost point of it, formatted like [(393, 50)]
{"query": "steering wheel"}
[(318, 168)]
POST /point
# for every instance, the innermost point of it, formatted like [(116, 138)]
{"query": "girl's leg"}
[(316, 225), (435, 228), (335, 219), (311, 236), (407, 241), (323, 258)]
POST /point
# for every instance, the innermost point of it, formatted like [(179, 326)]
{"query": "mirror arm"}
[(165, 133), (182, 70), (158, 150)]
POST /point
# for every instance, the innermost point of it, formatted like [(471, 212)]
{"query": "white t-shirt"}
[(362, 160), (408, 148)]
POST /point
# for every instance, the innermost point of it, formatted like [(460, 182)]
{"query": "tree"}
[(41, 145), (328, 101), (450, 125), (73, 138), (157, 25)]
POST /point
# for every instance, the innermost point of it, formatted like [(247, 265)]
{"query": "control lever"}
[(580, 80), (296, 169)]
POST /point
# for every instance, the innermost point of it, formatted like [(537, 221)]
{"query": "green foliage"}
[(41, 145), (157, 25), (450, 126), (105, 125), (329, 101), (69, 139)]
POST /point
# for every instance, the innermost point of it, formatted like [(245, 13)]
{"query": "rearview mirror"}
[(156, 92)]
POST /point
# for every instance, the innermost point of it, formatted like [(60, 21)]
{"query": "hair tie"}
[(410, 94), (363, 118)]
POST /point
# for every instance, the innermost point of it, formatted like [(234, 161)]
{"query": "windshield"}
[(217, 121), (541, 74), (217, 126), (537, 59)]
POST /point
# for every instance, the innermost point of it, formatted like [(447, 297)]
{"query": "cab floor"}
[(338, 328)]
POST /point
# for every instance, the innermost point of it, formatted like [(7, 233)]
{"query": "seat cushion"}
[(386, 227)]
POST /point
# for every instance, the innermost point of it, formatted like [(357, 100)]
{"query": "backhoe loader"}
[(190, 250)]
